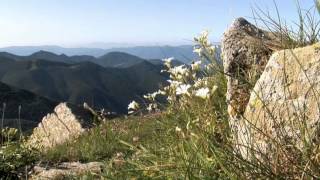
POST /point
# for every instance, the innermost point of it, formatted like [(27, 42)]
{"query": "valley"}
[(109, 82)]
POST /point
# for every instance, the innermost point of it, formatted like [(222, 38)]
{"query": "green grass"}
[(301, 32), (103, 142)]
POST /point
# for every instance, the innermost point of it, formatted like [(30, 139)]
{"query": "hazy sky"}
[(82, 22)]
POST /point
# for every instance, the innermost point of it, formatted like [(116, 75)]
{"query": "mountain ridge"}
[(184, 53), (23, 106), (112, 59), (102, 87)]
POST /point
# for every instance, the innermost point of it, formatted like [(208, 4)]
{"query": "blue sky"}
[(87, 22)]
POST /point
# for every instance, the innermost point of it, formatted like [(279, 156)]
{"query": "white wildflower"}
[(150, 107), (203, 44), (174, 84), (203, 38), (179, 71), (204, 34), (201, 82), (152, 96), (196, 65), (178, 129), (167, 88), (155, 94), (133, 106), (198, 51), (194, 75), (168, 61), (162, 92), (203, 93), (183, 89), (147, 96), (135, 139), (170, 99)]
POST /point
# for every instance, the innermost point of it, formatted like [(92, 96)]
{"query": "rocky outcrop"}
[(245, 50), (284, 104), (66, 170), (66, 122)]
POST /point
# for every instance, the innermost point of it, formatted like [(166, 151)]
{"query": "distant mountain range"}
[(112, 59), (110, 81), (183, 53)]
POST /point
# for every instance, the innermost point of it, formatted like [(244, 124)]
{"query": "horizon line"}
[(97, 47)]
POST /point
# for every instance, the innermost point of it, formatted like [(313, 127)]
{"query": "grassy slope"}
[(120, 136), (161, 151), (102, 142)]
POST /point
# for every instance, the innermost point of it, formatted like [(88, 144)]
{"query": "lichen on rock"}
[(289, 112), (66, 122)]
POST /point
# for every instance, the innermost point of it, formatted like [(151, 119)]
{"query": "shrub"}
[(14, 157)]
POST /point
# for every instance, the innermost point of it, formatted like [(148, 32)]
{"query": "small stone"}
[(65, 170)]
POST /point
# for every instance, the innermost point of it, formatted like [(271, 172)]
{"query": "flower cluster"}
[(152, 96), (179, 72), (204, 47), (203, 93), (168, 61), (133, 106), (186, 81)]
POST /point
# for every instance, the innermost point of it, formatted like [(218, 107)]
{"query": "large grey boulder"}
[(284, 106), (245, 50), (274, 99)]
